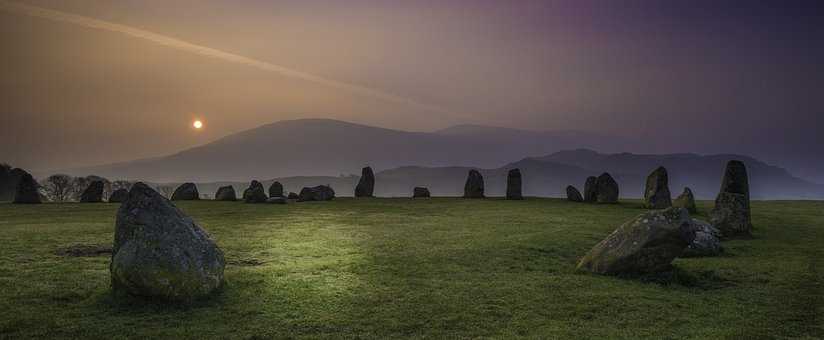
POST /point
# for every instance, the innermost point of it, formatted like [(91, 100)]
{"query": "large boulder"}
[(254, 193), (606, 189), (513, 185), (573, 194), (93, 193), (707, 241), (420, 192), (27, 190), (645, 244), (366, 184), (161, 253), (732, 215), (474, 187), (656, 193), (318, 193), (276, 189), (186, 192), (687, 201), (118, 196), (226, 193), (591, 189)]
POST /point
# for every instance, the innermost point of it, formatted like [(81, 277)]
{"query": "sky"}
[(92, 82)]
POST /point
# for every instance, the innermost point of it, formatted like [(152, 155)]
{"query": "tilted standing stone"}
[(513, 185), (276, 189), (645, 244), (186, 192), (118, 196), (93, 193), (591, 190), (420, 192), (226, 193), (160, 252), (606, 189), (254, 193), (686, 200), (366, 184), (732, 215), (656, 193), (27, 189), (573, 194), (474, 187), (318, 193)]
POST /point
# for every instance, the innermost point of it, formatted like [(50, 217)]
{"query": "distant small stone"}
[(27, 189), (186, 192), (656, 193), (226, 193), (366, 184), (573, 194), (276, 200), (254, 193), (686, 200), (607, 189), (318, 193), (474, 187), (420, 192), (93, 193), (707, 241), (118, 196), (276, 189), (293, 196), (591, 190), (513, 185)]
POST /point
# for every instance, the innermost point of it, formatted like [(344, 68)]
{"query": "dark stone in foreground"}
[(646, 244), (254, 193), (687, 201), (318, 193), (186, 192), (159, 252), (226, 193), (591, 190), (606, 189), (657, 194), (276, 189), (366, 184), (27, 189), (118, 196), (293, 196), (513, 185), (707, 241), (420, 192), (93, 193), (276, 200), (573, 194), (474, 187), (732, 215)]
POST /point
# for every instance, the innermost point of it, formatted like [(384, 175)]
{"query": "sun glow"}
[(197, 124)]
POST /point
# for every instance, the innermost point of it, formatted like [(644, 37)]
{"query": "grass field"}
[(398, 268)]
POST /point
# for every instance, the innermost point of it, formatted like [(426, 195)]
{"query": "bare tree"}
[(58, 188)]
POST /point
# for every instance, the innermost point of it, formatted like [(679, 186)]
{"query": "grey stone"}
[(732, 214), (276, 189), (514, 185), (607, 189), (686, 200), (591, 190), (318, 193), (657, 194), (573, 194), (474, 187), (254, 193), (186, 192), (707, 241), (420, 192), (293, 196), (226, 193), (366, 184), (93, 193), (276, 200)]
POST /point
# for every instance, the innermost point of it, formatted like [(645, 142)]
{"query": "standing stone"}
[(366, 184), (686, 200), (93, 193), (293, 196), (656, 193), (645, 244), (573, 194), (161, 253), (474, 187), (513, 185), (186, 192), (606, 189), (254, 193), (420, 192), (27, 189), (318, 193), (707, 241), (276, 189), (226, 193), (591, 190), (731, 214), (118, 196)]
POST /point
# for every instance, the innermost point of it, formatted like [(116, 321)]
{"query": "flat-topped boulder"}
[(254, 193), (366, 184), (226, 193), (573, 194), (731, 214), (186, 192), (606, 189), (318, 193), (161, 253), (420, 192), (645, 244), (93, 193), (118, 196), (591, 189), (657, 194), (687, 201), (27, 190), (513, 185), (474, 187), (276, 189)]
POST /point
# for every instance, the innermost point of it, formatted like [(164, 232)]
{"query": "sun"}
[(197, 124)]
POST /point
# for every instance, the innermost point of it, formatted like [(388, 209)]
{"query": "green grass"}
[(398, 268)]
